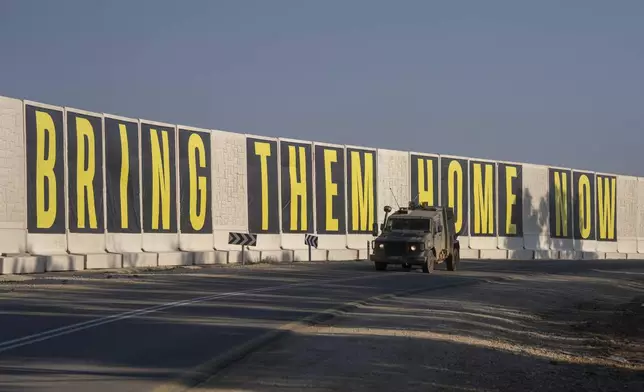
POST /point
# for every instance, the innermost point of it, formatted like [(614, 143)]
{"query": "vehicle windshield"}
[(408, 224)]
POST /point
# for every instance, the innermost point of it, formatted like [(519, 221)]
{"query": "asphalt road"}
[(98, 331)]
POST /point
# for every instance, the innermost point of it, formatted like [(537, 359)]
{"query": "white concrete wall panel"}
[(640, 215), (510, 208), (361, 195), (627, 214), (607, 214), (535, 207), (229, 187), (330, 196), (13, 192), (123, 205), (45, 177), (85, 181), (263, 184), (483, 205), (195, 189), (296, 192), (160, 188), (393, 181)]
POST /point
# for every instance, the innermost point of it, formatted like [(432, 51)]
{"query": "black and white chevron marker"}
[(311, 240), (243, 239)]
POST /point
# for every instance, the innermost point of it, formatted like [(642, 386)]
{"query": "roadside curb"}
[(207, 370)]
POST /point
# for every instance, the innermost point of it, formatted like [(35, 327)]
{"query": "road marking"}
[(52, 333)]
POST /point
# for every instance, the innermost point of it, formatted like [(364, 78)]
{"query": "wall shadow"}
[(541, 242)]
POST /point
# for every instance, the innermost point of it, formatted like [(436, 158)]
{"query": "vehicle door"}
[(439, 234)]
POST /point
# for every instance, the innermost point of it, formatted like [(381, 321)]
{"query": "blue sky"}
[(547, 82)]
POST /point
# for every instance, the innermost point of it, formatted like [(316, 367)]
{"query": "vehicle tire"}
[(406, 267), (380, 266), (428, 267), (453, 260)]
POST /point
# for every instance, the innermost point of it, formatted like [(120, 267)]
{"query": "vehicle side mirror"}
[(375, 229)]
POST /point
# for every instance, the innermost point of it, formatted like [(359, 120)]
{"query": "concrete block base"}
[(342, 255), (249, 256), (175, 258), (140, 259), (635, 256), (210, 257), (303, 255), (103, 260), (521, 254), (469, 254), (57, 263), (616, 256), (593, 255), (570, 255), (546, 254), (493, 254), (22, 265), (276, 256)]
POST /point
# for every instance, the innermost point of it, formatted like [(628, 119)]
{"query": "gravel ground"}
[(528, 332)]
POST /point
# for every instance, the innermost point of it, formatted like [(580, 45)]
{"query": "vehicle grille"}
[(395, 248)]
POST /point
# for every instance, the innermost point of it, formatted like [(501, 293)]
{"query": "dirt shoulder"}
[(528, 332)]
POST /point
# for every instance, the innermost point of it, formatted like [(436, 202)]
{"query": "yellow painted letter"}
[(264, 151), (584, 206), (606, 199), (45, 218), (362, 191), (561, 203), (160, 179), (125, 171), (197, 183), (85, 176), (510, 199), (425, 190), (298, 188), (483, 199), (331, 188), (455, 201)]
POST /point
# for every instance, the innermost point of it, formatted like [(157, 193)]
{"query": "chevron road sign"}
[(243, 239), (311, 240)]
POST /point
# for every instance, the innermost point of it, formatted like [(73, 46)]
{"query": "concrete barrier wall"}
[(13, 206), (510, 199), (330, 198), (95, 190), (640, 215)]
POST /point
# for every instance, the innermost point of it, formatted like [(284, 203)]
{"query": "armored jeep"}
[(418, 235)]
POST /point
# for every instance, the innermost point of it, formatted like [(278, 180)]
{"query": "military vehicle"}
[(418, 235)]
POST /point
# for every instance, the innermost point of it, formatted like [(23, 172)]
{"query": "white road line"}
[(52, 333)]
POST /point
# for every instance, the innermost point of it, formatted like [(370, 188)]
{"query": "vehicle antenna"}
[(392, 194)]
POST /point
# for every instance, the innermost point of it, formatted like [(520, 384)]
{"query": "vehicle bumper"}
[(407, 259)]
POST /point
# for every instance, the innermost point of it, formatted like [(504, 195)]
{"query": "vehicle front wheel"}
[(380, 266), (428, 267)]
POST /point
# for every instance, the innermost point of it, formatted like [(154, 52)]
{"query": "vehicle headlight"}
[(413, 248), (381, 246)]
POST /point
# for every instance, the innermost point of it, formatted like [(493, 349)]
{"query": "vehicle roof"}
[(416, 214)]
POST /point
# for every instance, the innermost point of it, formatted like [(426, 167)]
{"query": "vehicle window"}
[(409, 224)]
